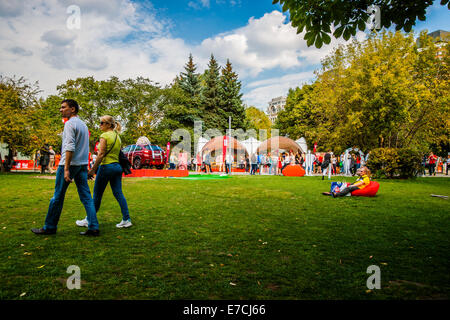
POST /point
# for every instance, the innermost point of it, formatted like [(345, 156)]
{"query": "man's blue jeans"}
[(79, 175), (111, 173)]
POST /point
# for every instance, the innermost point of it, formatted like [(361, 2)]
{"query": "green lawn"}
[(256, 237)]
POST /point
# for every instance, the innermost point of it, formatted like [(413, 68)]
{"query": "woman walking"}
[(109, 170)]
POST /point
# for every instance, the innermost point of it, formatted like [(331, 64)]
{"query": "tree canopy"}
[(320, 19), (382, 92), (258, 119)]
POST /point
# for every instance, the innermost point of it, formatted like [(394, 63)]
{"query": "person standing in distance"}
[(52, 159), (72, 167)]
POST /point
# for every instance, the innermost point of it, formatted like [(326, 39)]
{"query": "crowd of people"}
[(266, 163), (324, 163), (321, 163)]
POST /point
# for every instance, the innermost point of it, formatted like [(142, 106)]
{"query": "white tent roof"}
[(251, 144), (201, 143), (302, 143)]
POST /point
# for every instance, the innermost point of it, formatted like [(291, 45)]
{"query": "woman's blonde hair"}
[(110, 120), (366, 170)]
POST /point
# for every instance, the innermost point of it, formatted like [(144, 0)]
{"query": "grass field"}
[(256, 237)]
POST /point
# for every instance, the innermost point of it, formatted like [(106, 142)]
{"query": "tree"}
[(298, 118), (258, 119), (185, 93), (135, 103), (231, 97), (140, 108), (346, 17), (17, 106), (383, 92), (47, 123), (213, 115), (95, 98), (189, 80)]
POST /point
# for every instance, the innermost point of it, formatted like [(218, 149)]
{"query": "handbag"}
[(123, 160), (124, 163)]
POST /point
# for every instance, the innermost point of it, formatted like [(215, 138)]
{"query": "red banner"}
[(224, 147), (167, 151)]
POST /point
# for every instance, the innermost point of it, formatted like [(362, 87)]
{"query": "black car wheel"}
[(137, 163)]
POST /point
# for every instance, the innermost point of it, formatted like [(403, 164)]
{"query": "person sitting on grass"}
[(362, 182)]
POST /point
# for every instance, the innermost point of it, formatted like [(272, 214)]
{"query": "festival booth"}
[(282, 144), (218, 147)]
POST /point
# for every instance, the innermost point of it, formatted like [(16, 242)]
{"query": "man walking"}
[(326, 165), (72, 166)]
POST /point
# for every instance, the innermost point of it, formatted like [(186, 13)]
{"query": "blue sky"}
[(153, 39)]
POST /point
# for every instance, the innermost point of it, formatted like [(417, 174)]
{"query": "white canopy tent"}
[(251, 145), (302, 143), (201, 143)]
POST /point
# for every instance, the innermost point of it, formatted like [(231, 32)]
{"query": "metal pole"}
[(229, 142)]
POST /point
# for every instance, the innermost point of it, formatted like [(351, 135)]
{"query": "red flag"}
[(315, 146), (167, 151), (224, 148)]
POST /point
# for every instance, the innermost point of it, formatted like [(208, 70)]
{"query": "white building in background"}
[(275, 106)]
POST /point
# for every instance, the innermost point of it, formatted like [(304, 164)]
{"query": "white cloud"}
[(267, 43), (198, 4), (36, 43)]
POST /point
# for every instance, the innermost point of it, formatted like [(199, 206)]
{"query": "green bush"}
[(383, 162), (410, 162), (394, 162)]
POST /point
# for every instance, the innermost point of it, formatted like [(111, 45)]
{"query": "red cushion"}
[(369, 191), (294, 171)]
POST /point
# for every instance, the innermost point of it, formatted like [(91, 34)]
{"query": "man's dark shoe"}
[(42, 231), (89, 232)]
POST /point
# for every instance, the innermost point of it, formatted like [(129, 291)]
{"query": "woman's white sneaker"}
[(124, 224), (82, 223)]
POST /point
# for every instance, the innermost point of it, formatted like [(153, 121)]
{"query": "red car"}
[(141, 155)]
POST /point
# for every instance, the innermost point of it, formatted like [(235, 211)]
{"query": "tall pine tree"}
[(231, 97), (214, 116), (189, 80)]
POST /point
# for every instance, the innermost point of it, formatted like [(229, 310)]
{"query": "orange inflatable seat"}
[(295, 170)]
